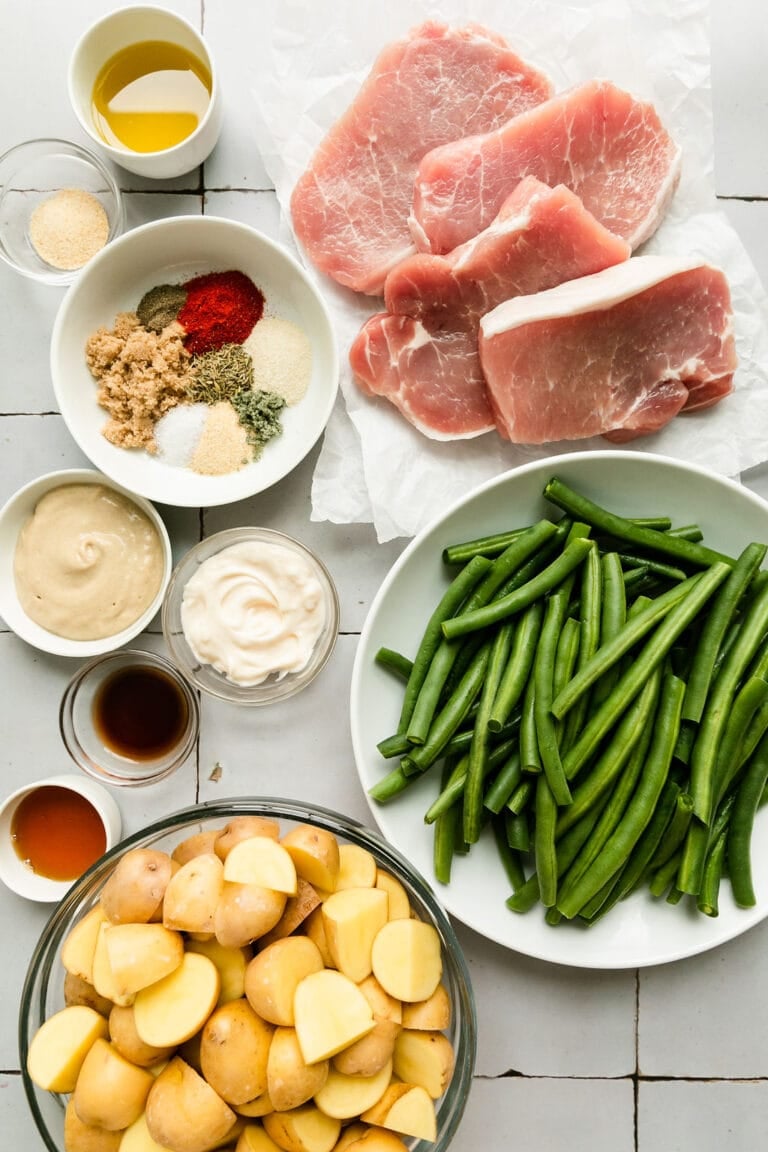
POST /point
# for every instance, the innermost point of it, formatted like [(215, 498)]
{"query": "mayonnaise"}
[(88, 563), (253, 610)]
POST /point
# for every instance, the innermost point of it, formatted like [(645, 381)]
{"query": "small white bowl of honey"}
[(143, 85), (51, 832)]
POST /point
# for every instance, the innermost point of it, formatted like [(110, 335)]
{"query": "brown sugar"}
[(141, 375)]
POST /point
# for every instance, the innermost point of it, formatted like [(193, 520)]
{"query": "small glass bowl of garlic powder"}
[(251, 615)]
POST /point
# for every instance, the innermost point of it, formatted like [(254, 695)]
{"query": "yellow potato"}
[(80, 944), (231, 963), (384, 1006), (173, 1009), (424, 1058), (243, 828), (305, 1129), (79, 1137), (348, 1136), (345, 1097), (184, 1113), (198, 844), (234, 1047), (370, 1053), (261, 861), (123, 1034), (375, 1140), (407, 959), (134, 892), (136, 1138), (190, 1051), (273, 975), (314, 928), (259, 1106), (245, 912), (330, 1012), (290, 1081), (407, 1109), (110, 1091), (357, 867), (253, 1138), (315, 853), (352, 919), (193, 893), (103, 978), (79, 991), (60, 1046), (141, 954), (432, 1014), (297, 909), (399, 907)]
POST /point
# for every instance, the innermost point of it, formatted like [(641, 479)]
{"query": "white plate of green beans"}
[(560, 709)]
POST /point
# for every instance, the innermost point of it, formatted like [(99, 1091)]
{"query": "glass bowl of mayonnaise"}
[(251, 615)]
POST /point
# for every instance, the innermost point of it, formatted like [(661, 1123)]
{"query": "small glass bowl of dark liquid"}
[(129, 718)]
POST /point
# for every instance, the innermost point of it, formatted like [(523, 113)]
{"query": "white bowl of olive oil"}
[(144, 87)]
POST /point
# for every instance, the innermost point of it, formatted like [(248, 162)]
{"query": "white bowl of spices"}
[(194, 361), (251, 615), (51, 832), (83, 564), (59, 206)]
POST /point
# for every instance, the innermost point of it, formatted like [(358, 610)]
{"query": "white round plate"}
[(171, 251), (640, 930)]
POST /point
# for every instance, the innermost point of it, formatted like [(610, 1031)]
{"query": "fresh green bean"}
[(674, 834), (635, 578), (716, 624), (446, 831), (529, 740), (567, 653), (450, 717), (462, 740), (690, 532), (394, 662), (613, 617), (739, 833), (478, 749), (390, 785), (515, 676), (517, 832), (644, 801), (571, 556), (707, 899), (567, 849), (635, 676), (636, 627), (685, 740), (395, 745), (543, 676), (668, 571), (488, 546), (521, 797), (663, 876), (718, 705), (509, 857), (751, 697), (454, 789), (590, 609), (504, 784), (544, 850), (696, 844), (581, 508)]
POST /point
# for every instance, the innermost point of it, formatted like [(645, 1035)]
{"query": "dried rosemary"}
[(259, 413)]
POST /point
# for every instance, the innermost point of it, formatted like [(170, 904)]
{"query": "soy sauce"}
[(57, 833), (140, 713)]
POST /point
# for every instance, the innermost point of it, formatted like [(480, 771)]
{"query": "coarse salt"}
[(178, 433), (282, 358)]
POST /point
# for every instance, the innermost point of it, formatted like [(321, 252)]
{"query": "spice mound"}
[(68, 228), (88, 563), (252, 611), (189, 377)]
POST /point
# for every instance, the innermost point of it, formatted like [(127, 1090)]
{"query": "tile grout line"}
[(636, 1077)]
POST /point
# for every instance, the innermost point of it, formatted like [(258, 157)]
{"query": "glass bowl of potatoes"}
[(251, 975)]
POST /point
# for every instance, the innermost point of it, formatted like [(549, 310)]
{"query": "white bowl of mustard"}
[(84, 564)]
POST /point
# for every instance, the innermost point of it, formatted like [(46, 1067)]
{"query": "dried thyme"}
[(221, 374), (259, 413)]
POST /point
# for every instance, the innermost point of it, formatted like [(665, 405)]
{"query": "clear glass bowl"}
[(42, 994), (86, 745), (205, 676), (31, 173)]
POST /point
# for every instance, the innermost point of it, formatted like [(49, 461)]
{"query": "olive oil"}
[(150, 96)]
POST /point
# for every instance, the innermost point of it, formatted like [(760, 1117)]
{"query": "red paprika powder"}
[(221, 308)]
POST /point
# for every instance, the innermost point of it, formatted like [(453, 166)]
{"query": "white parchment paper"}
[(309, 60)]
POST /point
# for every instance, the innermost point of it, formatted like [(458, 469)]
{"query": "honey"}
[(139, 713), (57, 833), (150, 96)]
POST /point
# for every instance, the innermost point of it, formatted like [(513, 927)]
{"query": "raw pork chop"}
[(425, 358), (350, 208), (609, 148), (618, 353)]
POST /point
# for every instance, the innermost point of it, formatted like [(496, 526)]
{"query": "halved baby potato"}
[(79, 1137), (123, 1034), (345, 1097), (291, 1082), (193, 893), (304, 1129), (357, 867), (261, 861), (184, 1113), (243, 828), (198, 844), (80, 944), (376, 1140), (254, 1138), (330, 1013), (110, 1091), (432, 1014), (79, 991), (231, 963), (134, 892), (60, 1046), (297, 909), (245, 912), (174, 1008), (352, 918), (405, 1108), (141, 954), (273, 975), (407, 959), (234, 1048), (424, 1058), (399, 906), (315, 854)]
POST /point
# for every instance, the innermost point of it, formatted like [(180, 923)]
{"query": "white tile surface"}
[(568, 1039), (702, 1117)]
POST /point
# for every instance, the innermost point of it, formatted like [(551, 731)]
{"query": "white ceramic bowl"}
[(130, 26), (176, 250), (15, 514), (17, 875), (637, 931)]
